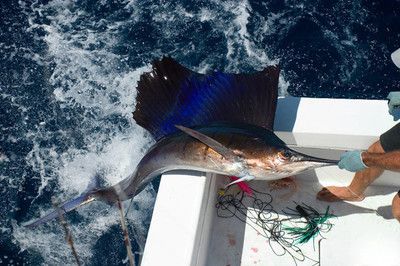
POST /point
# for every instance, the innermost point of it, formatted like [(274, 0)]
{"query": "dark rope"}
[(267, 222)]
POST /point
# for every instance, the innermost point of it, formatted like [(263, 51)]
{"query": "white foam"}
[(116, 161), (206, 14), (242, 46), (50, 241), (3, 158), (283, 85), (87, 76)]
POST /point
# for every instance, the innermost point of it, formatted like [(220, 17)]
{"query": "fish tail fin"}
[(86, 197), (64, 208)]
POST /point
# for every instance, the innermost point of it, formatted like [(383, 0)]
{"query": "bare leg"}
[(396, 206), (361, 180)]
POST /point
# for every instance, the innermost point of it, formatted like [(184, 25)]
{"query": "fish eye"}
[(287, 153)]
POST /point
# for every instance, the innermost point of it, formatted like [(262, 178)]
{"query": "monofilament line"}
[(126, 235), (68, 235)]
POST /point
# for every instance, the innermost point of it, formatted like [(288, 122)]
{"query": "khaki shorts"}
[(390, 140)]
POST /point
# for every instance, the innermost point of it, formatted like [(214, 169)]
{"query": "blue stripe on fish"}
[(196, 99), (172, 94)]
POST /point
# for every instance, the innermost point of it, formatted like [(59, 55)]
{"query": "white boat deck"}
[(186, 230), (363, 233)]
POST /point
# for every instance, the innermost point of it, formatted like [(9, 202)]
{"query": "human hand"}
[(394, 101), (352, 161)]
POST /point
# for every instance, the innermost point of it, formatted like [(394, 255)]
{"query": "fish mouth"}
[(300, 163), (301, 157), (307, 158)]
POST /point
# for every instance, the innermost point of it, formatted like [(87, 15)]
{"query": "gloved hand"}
[(352, 161), (394, 101)]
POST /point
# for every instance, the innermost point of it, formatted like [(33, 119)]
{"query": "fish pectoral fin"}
[(210, 142), (241, 179)]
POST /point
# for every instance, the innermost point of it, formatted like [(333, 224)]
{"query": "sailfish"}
[(219, 123)]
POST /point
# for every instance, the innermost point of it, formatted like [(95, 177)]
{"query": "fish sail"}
[(172, 95)]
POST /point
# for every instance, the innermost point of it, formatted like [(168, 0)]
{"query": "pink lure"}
[(242, 185)]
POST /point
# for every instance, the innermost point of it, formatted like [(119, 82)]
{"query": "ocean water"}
[(68, 72)]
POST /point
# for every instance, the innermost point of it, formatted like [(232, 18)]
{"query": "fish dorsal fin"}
[(210, 142), (172, 94)]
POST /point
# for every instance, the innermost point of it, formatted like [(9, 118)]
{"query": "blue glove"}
[(352, 161), (394, 101)]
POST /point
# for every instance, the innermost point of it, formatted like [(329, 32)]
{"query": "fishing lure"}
[(314, 223)]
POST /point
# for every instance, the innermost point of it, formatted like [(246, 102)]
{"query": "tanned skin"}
[(388, 161), (377, 161)]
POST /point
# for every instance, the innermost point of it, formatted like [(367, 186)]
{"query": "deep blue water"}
[(68, 72)]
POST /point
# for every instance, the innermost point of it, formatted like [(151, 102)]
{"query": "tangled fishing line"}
[(255, 209)]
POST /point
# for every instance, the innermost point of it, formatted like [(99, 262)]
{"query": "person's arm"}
[(388, 161), (355, 161)]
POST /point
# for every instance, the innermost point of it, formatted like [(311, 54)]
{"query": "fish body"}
[(259, 153)]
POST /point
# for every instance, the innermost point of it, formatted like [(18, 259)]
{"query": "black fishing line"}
[(267, 222)]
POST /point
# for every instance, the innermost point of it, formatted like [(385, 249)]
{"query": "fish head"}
[(289, 162)]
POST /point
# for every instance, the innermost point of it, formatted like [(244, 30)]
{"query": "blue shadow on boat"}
[(286, 113)]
